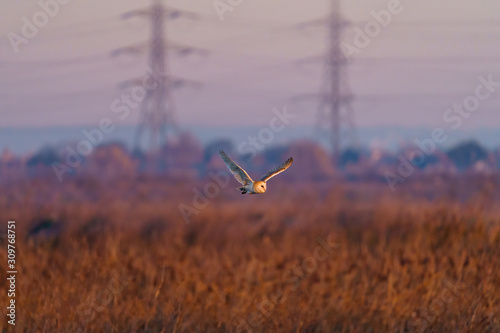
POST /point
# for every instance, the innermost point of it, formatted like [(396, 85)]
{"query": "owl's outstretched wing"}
[(271, 173), (241, 176)]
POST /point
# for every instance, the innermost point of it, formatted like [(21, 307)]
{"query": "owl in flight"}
[(244, 179)]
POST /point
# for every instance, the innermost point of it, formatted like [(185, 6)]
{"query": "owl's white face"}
[(259, 187)]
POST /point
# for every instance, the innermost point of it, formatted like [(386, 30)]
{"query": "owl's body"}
[(257, 187)]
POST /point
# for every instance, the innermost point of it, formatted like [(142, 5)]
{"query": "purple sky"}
[(427, 59)]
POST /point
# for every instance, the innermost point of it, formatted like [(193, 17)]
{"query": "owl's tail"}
[(242, 189)]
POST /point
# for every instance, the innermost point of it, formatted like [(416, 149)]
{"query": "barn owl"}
[(244, 179)]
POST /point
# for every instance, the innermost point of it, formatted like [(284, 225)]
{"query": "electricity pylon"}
[(335, 115), (157, 114)]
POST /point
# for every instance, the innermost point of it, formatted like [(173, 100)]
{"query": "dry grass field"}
[(121, 258)]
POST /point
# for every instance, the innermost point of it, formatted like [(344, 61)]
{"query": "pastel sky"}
[(428, 58)]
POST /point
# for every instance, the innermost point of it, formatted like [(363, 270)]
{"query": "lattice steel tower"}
[(335, 114), (158, 107)]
